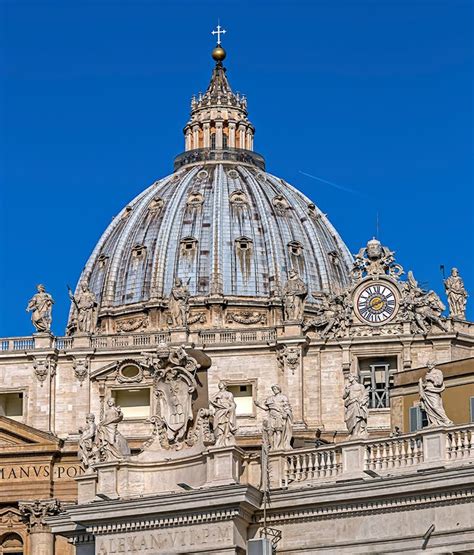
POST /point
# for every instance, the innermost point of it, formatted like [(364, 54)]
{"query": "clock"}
[(376, 302)]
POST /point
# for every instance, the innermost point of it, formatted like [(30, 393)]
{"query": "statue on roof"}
[(375, 260), (356, 407), (40, 306), (294, 295), (224, 418), (85, 309), (431, 387), (457, 295), (280, 419), (334, 314), (422, 308), (111, 442), (179, 304)]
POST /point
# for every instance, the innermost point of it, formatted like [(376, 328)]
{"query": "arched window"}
[(11, 544)]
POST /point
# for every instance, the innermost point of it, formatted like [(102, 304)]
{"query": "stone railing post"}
[(34, 514), (434, 447), (276, 463), (353, 454)]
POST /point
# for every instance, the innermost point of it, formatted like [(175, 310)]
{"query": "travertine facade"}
[(214, 287)]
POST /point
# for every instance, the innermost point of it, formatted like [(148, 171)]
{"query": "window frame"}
[(132, 386), (246, 382)]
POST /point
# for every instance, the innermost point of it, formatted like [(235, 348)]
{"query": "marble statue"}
[(87, 441), (111, 442), (85, 304), (40, 306), (179, 304), (334, 314), (356, 407), (294, 295), (422, 308), (280, 421), (430, 388), (174, 389), (225, 422), (457, 295)]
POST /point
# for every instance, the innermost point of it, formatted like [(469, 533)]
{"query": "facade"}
[(220, 305)]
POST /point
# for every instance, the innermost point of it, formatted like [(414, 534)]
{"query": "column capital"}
[(34, 513)]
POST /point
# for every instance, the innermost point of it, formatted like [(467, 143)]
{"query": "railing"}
[(365, 458), (17, 344), (131, 340), (312, 464), (237, 336), (232, 154), (63, 343), (460, 444), (392, 453)]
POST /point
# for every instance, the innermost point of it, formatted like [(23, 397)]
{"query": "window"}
[(213, 140), (243, 396), (471, 404), (418, 419), (377, 375), (224, 141), (135, 403), (11, 405), (11, 544)]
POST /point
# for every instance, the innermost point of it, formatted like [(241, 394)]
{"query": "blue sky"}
[(373, 96)]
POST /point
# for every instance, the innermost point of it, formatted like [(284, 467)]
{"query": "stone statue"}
[(356, 408), (375, 260), (40, 305), (110, 441), (174, 389), (431, 387), (85, 305), (280, 421), (87, 441), (179, 304), (333, 314), (225, 422), (422, 308), (294, 295), (457, 295)]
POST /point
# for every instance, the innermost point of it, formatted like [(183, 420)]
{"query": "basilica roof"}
[(220, 221)]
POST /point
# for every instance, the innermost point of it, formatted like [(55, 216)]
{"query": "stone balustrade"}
[(430, 447), (136, 340)]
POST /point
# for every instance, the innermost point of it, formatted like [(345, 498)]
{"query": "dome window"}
[(127, 211), (102, 261), (281, 205), (139, 251), (195, 199), (244, 243), (233, 174), (156, 204), (188, 244), (334, 257), (238, 197), (295, 248)]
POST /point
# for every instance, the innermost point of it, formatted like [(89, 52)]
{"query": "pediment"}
[(15, 434), (113, 369)]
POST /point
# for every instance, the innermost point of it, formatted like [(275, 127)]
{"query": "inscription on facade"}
[(165, 541), (39, 472)]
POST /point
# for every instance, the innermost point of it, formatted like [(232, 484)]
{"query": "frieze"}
[(28, 472), (132, 324), (247, 317)]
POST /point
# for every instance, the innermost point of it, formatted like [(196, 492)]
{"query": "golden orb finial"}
[(219, 53)]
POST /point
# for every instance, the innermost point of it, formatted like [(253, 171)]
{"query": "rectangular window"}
[(11, 405), (377, 375), (418, 419), (243, 396), (135, 403), (471, 404)]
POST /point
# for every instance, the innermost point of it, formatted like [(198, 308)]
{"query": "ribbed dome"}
[(226, 228)]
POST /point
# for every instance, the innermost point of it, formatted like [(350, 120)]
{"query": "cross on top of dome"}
[(219, 31)]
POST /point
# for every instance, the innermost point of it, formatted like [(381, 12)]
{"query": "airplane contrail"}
[(340, 187)]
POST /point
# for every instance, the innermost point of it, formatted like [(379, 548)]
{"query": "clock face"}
[(376, 303)]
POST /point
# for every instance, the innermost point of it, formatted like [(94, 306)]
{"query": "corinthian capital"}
[(34, 513)]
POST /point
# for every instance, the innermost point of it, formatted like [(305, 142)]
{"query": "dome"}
[(220, 222)]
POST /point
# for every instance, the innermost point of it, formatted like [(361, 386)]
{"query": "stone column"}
[(207, 135), (188, 140), (195, 136), (241, 130), (232, 135), (219, 141), (34, 514)]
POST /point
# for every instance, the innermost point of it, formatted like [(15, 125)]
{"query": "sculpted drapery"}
[(40, 306), (431, 387), (225, 423), (280, 421), (356, 407)]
